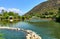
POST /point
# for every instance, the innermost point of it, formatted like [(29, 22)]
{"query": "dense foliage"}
[(4, 15), (58, 18)]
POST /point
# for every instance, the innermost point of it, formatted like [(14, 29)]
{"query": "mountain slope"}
[(47, 6)]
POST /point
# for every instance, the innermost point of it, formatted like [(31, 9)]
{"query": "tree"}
[(0, 14), (11, 13), (58, 18)]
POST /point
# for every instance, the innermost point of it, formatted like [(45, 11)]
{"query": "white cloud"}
[(2, 8), (15, 10), (11, 9)]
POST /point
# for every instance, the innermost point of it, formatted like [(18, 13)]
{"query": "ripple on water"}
[(12, 34)]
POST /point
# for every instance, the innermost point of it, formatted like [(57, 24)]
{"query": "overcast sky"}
[(20, 6)]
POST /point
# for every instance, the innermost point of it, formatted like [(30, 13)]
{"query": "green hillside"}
[(48, 7)]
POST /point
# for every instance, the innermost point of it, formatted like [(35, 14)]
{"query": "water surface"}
[(46, 29)]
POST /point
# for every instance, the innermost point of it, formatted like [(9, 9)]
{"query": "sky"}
[(19, 6)]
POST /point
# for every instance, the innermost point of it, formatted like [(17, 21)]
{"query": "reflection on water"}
[(7, 23), (49, 30), (46, 29)]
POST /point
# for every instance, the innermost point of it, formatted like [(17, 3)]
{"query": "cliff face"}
[(50, 5)]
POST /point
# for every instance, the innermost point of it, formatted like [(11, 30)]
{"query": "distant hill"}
[(47, 6)]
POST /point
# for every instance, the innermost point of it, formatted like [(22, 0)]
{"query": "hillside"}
[(47, 6)]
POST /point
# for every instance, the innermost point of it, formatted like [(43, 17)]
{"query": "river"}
[(46, 29)]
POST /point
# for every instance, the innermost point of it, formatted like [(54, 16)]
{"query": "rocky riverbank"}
[(32, 35), (29, 34)]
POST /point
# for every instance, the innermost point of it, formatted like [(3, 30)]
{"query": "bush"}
[(58, 19)]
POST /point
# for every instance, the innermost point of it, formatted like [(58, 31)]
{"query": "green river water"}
[(46, 29)]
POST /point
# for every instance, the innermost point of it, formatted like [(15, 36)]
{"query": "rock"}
[(32, 35)]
